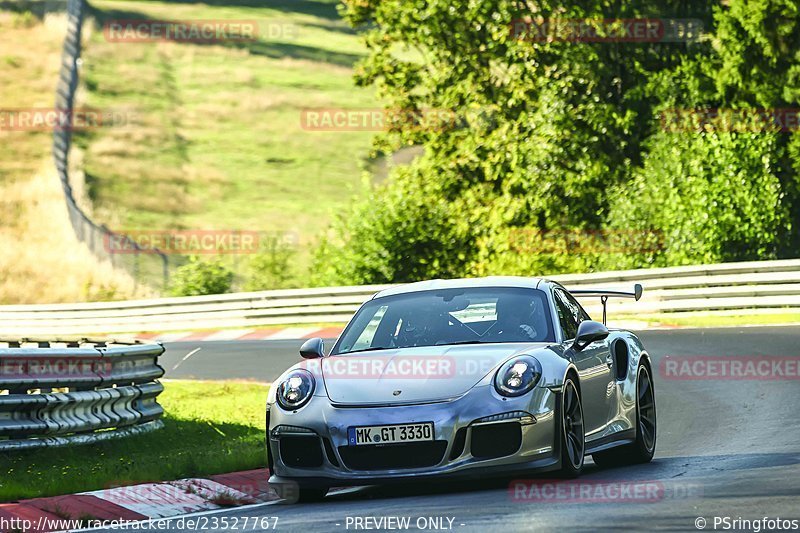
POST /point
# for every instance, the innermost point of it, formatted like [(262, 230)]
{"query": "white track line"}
[(185, 357)]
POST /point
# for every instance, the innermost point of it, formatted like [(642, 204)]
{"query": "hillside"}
[(41, 260), (213, 136)]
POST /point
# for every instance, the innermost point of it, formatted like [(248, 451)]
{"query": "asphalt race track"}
[(725, 449)]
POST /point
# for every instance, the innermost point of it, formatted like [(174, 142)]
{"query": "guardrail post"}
[(165, 267), (86, 230)]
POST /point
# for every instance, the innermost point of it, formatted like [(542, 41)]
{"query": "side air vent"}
[(620, 352)]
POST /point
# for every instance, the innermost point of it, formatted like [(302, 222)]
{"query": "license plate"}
[(390, 434)]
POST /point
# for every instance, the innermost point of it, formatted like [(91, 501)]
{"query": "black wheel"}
[(643, 448), (573, 439)]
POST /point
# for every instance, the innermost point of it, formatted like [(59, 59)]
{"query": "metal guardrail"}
[(725, 287), (59, 392), (143, 264), (754, 286)]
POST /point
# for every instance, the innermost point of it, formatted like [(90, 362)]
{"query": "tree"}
[(551, 135), (198, 277)]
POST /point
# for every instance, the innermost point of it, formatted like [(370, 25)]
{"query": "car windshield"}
[(449, 316)]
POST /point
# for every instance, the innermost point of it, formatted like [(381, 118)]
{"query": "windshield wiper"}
[(476, 341), (372, 349)]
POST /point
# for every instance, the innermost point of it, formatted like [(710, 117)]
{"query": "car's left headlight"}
[(518, 376), (295, 390)]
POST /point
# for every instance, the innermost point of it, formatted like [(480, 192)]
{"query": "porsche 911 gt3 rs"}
[(462, 378)]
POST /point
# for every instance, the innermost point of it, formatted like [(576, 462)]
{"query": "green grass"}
[(210, 428), (216, 140)]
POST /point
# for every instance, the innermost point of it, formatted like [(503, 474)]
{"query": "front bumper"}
[(464, 440)]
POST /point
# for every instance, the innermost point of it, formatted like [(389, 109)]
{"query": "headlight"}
[(518, 376), (295, 391)]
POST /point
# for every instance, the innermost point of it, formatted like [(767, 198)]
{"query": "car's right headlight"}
[(518, 376), (295, 390)]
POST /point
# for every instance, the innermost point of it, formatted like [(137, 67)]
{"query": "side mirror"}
[(588, 332), (313, 349)]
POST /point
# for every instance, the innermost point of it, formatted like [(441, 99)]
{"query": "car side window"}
[(567, 315), (578, 311)]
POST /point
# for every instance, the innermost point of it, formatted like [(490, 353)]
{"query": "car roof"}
[(462, 283)]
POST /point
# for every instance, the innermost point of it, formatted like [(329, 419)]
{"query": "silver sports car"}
[(470, 377)]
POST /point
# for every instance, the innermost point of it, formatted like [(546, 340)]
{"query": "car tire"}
[(643, 448), (572, 437)]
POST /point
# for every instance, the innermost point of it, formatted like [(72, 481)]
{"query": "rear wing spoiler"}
[(606, 294)]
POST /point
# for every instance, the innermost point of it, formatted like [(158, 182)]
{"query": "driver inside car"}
[(514, 320), (426, 327)]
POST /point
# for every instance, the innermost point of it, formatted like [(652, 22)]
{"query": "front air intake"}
[(393, 456), (496, 440), (301, 451)]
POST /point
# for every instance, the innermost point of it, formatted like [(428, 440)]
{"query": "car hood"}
[(413, 375)]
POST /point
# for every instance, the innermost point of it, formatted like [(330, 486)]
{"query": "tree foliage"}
[(199, 277), (555, 137), (272, 266), (403, 233)]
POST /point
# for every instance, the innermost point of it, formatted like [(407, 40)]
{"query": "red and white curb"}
[(140, 502), (294, 333)]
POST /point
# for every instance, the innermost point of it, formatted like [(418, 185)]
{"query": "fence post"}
[(93, 235)]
